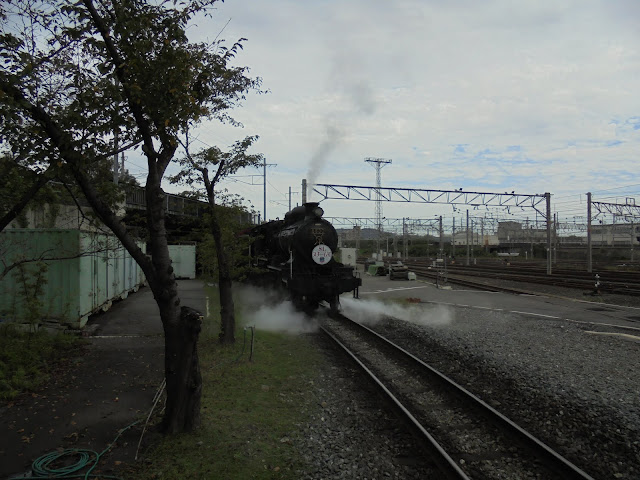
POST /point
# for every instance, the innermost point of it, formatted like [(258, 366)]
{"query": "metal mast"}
[(378, 164)]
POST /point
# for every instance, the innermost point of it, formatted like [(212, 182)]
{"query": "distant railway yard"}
[(525, 277)]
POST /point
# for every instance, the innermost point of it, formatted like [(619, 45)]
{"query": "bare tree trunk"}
[(182, 372), (181, 326), (227, 312)]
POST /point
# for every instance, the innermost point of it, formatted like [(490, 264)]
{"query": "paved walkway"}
[(103, 391)]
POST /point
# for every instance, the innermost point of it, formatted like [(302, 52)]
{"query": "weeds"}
[(251, 410), (26, 359)]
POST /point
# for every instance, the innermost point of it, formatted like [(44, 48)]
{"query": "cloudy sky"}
[(492, 96)]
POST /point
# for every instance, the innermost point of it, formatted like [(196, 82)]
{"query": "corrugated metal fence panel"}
[(183, 259), (128, 275), (62, 290), (56, 272), (82, 273), (96, 247)]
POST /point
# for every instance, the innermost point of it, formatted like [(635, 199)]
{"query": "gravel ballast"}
[(577, 391), (351, 435)]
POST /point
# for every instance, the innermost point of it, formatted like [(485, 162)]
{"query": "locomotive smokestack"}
[(304, 191)]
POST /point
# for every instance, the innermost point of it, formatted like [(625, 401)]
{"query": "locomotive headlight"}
[(318, 212)]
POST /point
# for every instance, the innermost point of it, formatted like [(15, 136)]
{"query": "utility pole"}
[(472, 242), (453, 239), (589, 252), (530, 236), (264, 176), (404, 238), (549, 220), (441, 239), (632, 237), (378, 164), (290, 192), (555, 238), (467, 238)]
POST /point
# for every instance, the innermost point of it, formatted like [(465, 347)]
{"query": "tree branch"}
[(218, 174), (43, 258), (79, 208), (42, 179), (64, 144), (119, 62), (124, 148)]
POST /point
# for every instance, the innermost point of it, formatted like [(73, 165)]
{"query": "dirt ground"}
[(87, 402)]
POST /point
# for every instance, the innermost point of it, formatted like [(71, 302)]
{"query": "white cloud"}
[(412, 79)]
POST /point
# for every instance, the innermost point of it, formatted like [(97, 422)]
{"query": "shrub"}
[(26, 359)]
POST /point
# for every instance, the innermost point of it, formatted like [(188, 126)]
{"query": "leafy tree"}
[(235, 219), (196, 172), (20, 185), (74, 76)]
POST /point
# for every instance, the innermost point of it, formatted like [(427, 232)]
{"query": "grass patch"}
[(251, 410), (26, 359)]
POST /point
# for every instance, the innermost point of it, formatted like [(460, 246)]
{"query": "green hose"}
[(42, 467)]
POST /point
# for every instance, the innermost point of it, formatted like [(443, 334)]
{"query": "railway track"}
[(465, 282), (624, 283), (466, 437)]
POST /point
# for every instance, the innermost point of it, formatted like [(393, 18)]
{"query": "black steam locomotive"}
[(297, 253)]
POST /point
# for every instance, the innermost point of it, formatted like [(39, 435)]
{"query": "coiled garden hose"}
[(43, 467)]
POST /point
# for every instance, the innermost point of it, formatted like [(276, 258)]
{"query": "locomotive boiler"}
[(297, 254)]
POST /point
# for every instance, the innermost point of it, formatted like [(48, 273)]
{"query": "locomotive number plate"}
[(321, 254)]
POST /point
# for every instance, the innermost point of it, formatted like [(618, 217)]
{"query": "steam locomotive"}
[(297, 254)]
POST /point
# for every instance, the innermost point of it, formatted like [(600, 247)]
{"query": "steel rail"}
[(568, 467), (607, 286), (442, 459), (604, 275), (559, 464), (468, 283)]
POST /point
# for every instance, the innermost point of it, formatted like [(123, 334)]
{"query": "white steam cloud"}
[(370, 312), (269, 311), (281, 318)]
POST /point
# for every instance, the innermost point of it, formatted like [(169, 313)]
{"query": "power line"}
[(276, 189), (617, 188)]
